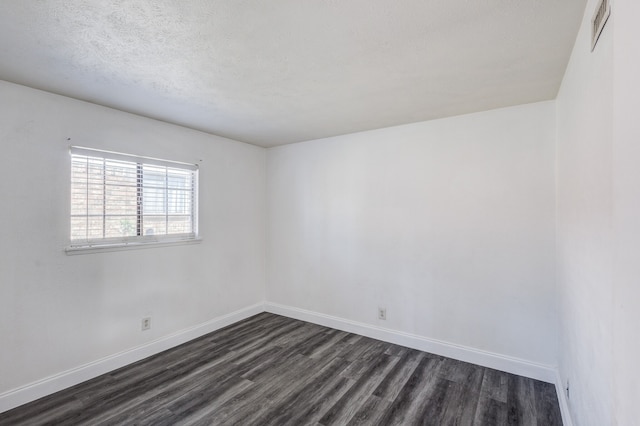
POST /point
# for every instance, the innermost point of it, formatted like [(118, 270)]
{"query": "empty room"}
[(320, 212)]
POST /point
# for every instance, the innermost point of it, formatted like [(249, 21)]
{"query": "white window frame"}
[(88, 245)]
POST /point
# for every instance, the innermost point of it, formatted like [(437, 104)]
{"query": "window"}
[(119, 200)]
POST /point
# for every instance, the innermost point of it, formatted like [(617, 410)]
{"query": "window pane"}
[(121, 226), (154, 176), (179, 179), (121, 173), (180, 224), (78, 199), (154, 225), (78, 228), (121, 200), (153, 200), (114, 198), (95, 229), (179, 202)]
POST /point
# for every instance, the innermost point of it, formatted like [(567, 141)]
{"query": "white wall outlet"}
[(146, 323), (382, 313)]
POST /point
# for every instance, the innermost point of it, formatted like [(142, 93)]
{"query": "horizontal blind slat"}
[(114, 195)]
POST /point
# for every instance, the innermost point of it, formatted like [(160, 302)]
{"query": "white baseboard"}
[(55, 383), (521, 367), (562, 400), (52, 384)]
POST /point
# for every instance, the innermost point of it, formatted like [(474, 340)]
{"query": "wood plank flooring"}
[(272, 370)]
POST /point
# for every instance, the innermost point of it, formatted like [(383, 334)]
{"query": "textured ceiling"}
[(281, 71)]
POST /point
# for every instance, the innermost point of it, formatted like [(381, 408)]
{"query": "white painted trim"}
[(102, 248), (562, 400), (55, 383), (16, 397), (545, 373)]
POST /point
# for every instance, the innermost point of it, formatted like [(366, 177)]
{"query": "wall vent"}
[(603, 10)]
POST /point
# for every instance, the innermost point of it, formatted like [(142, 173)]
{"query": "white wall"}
[(598, 226), (585, 209), (449, 224), (58, 312), (626, 177)]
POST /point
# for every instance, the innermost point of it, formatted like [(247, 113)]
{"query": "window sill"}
[(100, 248)]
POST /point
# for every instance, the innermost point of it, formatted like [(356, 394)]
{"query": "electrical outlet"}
[(382, 313), (146, 323)]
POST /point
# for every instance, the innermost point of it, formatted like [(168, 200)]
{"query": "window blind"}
[(120, 198)]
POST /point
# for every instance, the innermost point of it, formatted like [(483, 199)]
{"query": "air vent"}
[(599, 20)]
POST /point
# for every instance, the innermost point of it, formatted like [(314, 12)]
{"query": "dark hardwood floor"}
[(272, 370)]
